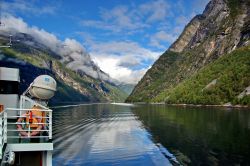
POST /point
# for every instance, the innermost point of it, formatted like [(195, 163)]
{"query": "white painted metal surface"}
[(10, 101), (30, 147), (9, 74), (47, 158)]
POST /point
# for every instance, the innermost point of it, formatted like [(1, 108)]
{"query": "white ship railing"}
[(9, 131), (3, 131), (26, 102), (47, 125)]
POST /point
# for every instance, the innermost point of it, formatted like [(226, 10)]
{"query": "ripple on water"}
[(102, 135)]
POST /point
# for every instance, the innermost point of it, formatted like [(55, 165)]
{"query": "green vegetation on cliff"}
[(171, 80), (157, 77), (232, 76), (234, 7)]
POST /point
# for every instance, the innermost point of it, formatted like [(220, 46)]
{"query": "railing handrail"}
[(25, 98), (3, 131), (26, 123), (47, 124), (21, 116), (27, 109)]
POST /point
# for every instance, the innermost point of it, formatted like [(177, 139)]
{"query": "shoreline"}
[(160, 103), (198, 105)]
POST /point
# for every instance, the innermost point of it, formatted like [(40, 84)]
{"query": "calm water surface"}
[(108, 134)]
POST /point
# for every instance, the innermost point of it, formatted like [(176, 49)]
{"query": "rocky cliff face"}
[(186, 35), (220, 29), (68, 80), (216, 30)]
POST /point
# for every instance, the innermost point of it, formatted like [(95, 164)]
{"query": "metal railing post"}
[(1, 125), (5, 127), (50, 125), (1, 134)]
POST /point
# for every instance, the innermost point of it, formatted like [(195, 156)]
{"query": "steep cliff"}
[(222, 28)]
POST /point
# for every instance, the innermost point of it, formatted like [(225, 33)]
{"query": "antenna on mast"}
[(9, 44)]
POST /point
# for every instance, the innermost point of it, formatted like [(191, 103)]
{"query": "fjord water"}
[(108, 134)]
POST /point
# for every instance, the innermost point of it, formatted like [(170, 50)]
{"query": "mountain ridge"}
[(219, 30), (73, 85)]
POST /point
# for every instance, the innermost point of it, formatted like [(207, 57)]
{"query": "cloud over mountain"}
[(121, 59), (72, 52)]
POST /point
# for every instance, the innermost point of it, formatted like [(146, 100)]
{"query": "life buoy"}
[(32, 118)]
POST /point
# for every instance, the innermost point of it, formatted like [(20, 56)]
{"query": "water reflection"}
[(103, 135), (199, 136)]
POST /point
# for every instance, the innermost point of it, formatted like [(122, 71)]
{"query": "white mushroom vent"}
[(43, 87)]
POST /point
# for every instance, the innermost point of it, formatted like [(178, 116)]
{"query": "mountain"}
[(127, 88), (78, 78), (207, 64)]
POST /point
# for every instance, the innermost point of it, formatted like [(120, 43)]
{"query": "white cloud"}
[(124, 48), (111, 65), (123, 18), (160, 38), (155, 10), (27, 7), (13, 25), (99, 25), (118, 19), (129, 61), (122, 59), (182, 20)]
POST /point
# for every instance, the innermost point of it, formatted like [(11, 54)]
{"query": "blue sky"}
[(124, 37)]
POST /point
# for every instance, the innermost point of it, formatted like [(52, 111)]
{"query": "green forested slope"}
[(232, 75)]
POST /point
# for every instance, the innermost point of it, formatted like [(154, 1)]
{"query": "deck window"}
[(9, 87)]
